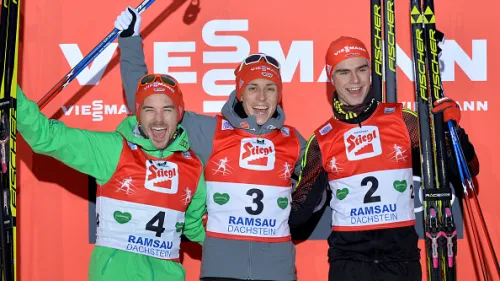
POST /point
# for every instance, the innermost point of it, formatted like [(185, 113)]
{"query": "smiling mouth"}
[(260, 109), (158, 132), (354, 90)]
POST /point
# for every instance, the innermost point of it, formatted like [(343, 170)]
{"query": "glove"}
[(128, 22), (449, 108)]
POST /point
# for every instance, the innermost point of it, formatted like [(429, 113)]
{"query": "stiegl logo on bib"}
[(362, 143), (162, 176), (257, 154)]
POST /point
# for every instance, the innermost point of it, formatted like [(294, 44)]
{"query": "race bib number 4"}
[(139, 228)]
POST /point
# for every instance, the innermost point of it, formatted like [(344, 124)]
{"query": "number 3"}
[(257, 201)]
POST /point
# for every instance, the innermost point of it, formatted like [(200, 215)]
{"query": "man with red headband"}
[(364, 149), (150, 184), (250, 158)]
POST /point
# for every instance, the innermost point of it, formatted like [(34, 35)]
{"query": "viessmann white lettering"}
[(97, 110), (300, 57)]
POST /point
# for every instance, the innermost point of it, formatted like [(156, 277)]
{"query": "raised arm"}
[(132, 66), (200, 128), (93, 153), (132, 62)]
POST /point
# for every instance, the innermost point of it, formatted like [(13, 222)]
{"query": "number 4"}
[(159, 229)]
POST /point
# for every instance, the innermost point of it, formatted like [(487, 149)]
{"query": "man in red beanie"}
[(150, 184), (366, 149), (251, 158), (159, 93)]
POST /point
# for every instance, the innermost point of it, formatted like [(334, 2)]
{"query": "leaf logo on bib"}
[(282, 202), (179, 226), (122, 217), (400, 185), (342, 193), (221, 198)]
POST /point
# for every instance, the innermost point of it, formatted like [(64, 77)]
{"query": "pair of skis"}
[(9, 42), (440, 229), (383, 49)]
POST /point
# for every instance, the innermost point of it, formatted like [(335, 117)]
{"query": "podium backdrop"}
[(56, 215)]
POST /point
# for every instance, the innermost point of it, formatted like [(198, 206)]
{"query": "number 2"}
[(369, 198)]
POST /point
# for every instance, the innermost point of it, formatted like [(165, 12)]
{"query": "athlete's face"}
[(158, 119), (260, 98), (351, 79)]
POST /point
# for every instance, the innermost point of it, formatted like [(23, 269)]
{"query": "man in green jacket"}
[(151, 187)]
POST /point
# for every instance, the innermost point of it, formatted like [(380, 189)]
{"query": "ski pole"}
[(85, 61), (467, 203), (463, 166)]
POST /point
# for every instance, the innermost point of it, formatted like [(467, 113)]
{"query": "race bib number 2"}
[(364, 200)]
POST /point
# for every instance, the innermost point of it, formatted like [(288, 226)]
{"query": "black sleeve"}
[(411, 120), (312, 183)]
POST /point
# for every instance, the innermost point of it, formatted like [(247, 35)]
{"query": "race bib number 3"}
[(139, 228), (248, 210)]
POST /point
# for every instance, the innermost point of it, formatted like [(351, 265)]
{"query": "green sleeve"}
[(193, 226), (93, 153)]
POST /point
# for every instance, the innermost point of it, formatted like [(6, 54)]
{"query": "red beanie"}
[(157, 86), (341, 49), (260, 69)]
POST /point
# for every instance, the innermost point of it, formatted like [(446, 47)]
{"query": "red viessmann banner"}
[(56, 214)]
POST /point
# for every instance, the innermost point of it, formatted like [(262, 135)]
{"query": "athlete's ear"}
[(332, 81)]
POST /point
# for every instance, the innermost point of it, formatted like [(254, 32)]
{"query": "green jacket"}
[(97, 153)]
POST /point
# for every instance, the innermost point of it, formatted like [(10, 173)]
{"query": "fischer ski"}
[(376, 49), (447, 244), (9, 67), (390, 51), (432, 211)]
